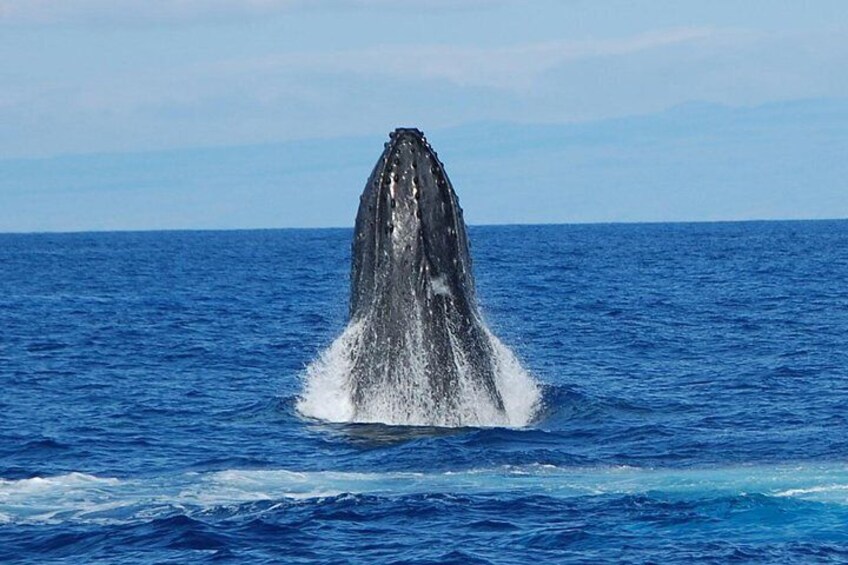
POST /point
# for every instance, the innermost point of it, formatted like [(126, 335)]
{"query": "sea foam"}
[(327, 392), (77, 497)]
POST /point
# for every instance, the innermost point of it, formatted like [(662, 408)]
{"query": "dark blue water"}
[(695, 402)]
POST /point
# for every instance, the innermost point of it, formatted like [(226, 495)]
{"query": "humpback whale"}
[(416, 350)]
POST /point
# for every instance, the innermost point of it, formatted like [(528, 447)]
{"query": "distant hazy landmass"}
[(690, 163)]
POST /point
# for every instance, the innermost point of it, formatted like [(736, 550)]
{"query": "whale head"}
[(410, 235), (416, 350)]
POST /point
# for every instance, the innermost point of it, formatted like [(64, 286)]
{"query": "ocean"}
[(693, 380)]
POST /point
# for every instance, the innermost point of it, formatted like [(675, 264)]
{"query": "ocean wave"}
[(88, 498)]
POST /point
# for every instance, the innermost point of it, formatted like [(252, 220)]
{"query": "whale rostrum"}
[(423, 353)]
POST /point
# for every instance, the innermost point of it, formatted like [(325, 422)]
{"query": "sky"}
[(102, 77)]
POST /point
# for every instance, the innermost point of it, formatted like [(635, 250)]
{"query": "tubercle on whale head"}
[(409, 224)]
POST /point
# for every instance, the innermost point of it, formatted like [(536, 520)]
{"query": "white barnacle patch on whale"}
[(439, 286)]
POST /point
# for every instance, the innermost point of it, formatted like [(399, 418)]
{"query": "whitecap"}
[(79, 497)]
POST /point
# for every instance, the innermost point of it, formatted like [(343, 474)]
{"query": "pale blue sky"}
[(99, 76)]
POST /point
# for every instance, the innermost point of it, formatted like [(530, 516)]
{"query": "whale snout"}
[(408, 132), (411, 173), (418, 187)]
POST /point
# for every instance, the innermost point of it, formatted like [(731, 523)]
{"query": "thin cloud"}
[(30, 12), (230, 101), (507, 68)]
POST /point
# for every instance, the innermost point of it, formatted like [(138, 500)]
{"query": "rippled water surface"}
[(695, 385)]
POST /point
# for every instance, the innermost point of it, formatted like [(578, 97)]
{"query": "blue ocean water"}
[(695, 386)]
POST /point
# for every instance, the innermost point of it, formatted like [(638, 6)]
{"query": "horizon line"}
[(483, 225)]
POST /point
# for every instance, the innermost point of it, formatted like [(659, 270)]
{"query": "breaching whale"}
[(416, 350)]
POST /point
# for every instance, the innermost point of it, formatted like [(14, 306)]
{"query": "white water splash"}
[(328, 388), (520, 392), (327, 391)]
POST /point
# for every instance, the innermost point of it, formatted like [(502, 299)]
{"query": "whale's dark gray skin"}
[(412, 290)]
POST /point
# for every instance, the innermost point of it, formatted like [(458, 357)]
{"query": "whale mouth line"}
[(416, 350)]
